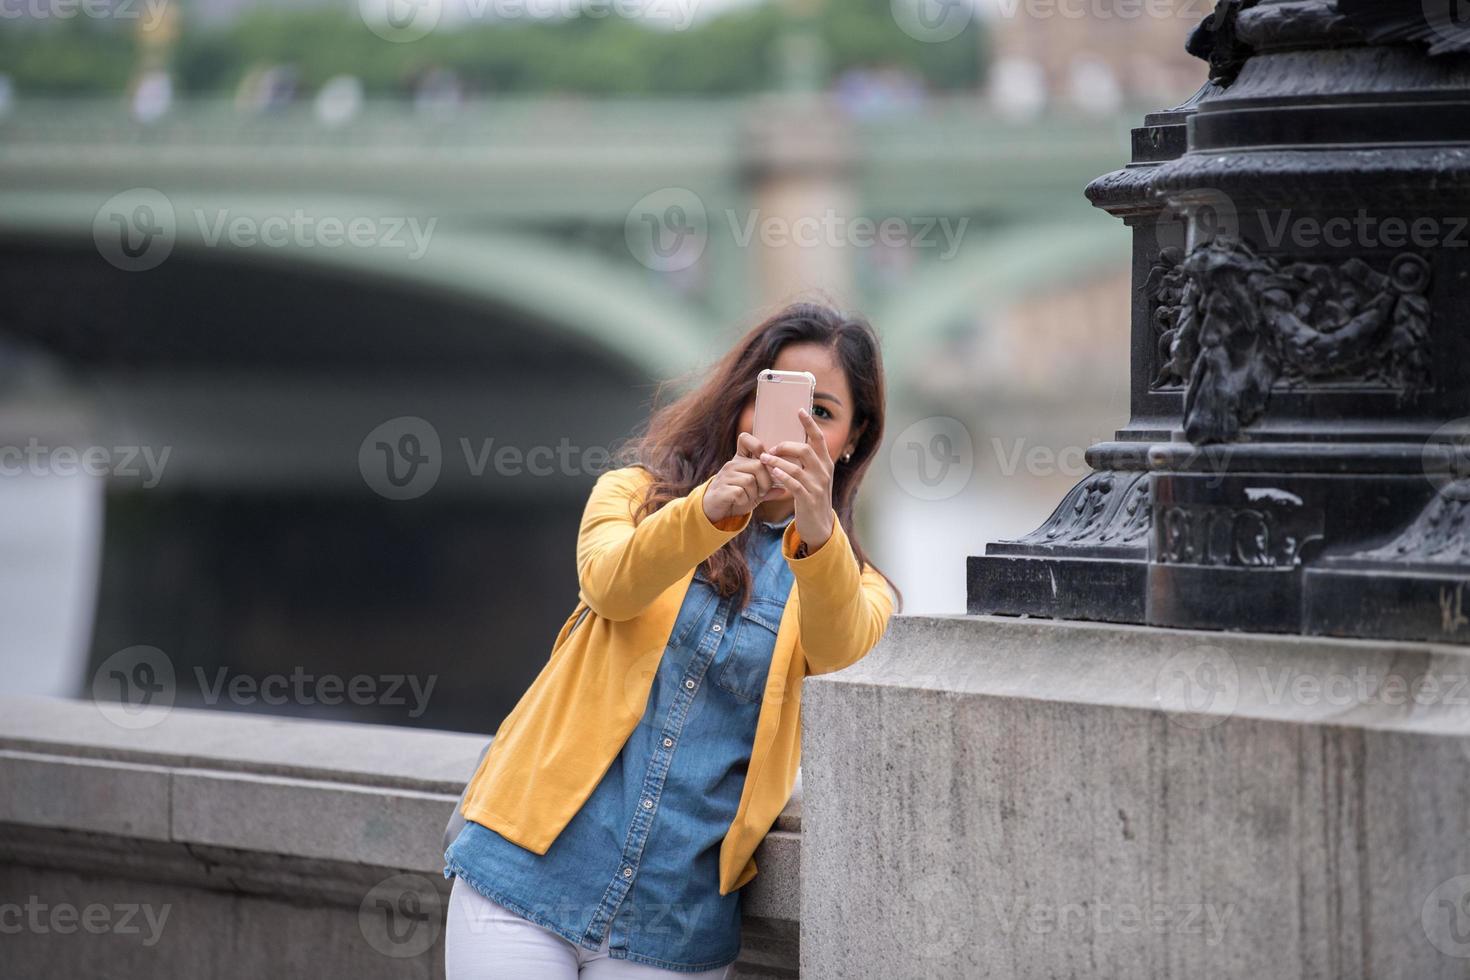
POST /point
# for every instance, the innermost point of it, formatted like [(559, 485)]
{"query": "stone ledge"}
[(283, 788), (217, 740), (1132, 666)]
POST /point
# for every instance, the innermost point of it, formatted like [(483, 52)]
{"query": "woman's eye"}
[(820, 411)]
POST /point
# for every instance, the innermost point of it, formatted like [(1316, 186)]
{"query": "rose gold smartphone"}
[(778, 394)]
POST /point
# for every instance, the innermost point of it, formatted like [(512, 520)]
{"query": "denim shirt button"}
[(668, 742), (627, 872), (715, 628), (648, 804), (689, 683)]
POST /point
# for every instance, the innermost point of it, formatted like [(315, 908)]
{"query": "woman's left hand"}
[(805, 468)]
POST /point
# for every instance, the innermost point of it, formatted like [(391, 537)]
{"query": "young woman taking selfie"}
[(614, 817)]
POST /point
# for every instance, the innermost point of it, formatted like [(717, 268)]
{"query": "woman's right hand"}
[(741, 483)]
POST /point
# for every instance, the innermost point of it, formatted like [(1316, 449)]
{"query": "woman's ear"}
[(852, 441)]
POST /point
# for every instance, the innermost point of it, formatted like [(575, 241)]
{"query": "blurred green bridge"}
[(281, 302), (534, 200)]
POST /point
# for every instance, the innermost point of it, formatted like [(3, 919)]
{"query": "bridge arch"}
[(574, 293)]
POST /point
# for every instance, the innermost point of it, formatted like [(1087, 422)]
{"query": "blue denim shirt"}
[(640, 860)]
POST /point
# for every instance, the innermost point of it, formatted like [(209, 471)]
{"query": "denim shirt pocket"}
[(748, 656), (699, 604)]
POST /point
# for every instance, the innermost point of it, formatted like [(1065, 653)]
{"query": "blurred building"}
[(1094, 56)]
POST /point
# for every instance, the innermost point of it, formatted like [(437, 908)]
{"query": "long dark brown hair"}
[(686, 442)]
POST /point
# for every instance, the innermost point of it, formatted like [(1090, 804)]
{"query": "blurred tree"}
[(733, 53), (73, 56)]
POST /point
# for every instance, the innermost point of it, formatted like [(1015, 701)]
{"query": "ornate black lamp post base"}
[(1300, 365)]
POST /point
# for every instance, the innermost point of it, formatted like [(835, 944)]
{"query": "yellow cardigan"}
[(553, 748)]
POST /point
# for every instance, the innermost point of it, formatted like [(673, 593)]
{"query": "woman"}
[(615, 814)]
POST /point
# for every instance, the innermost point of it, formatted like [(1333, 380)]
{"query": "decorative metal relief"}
[(1170, 292), (1232, 325), (1108, 508), (1440, 535), (1241, 537)]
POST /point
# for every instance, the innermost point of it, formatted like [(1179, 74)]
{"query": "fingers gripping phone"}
[(778, 394)]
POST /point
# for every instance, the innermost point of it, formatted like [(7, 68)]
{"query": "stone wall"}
[(983, 797), (1018, 799), (207, 844)]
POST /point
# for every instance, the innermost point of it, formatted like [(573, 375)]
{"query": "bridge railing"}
[(955, 121)]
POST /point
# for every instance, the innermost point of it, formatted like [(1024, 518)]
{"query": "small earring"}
[(847, 457)]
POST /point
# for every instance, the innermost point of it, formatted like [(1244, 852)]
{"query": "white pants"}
[(484, 940)]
